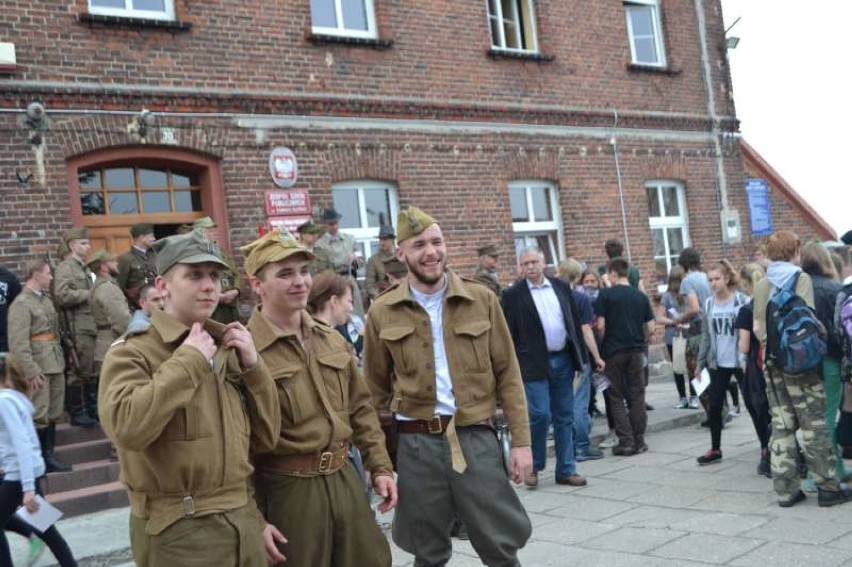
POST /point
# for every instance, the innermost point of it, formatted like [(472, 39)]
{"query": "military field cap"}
[(847, 238), (488, 250), (331, 215), (310, 228), (204, 222), (141, 228), (76, 233), (274, 246), (386, 231), (412, 222), (191, 248), (184, 229), (98, 258), (395, 268)]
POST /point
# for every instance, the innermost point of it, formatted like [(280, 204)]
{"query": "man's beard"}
[(418, 274)]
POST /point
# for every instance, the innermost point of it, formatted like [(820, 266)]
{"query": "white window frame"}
[(499, 43), (529, 229), (130, 12), (367, 236), (657, 26), (666, 221), (340, 30)]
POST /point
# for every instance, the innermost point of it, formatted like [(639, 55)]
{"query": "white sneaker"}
[(694, 403), (735, 411), (682, 404), (610, 441)]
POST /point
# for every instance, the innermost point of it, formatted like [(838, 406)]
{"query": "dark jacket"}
[(10, 287), (528, 333), (825, 299)]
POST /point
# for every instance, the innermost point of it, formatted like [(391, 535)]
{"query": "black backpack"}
[(796, 340)]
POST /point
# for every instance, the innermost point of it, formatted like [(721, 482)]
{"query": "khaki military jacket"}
[(72, 287), (399, 363), (376, 280), (334, 252), (323, 397), (111, 314), (32, 321), (182, 423), (135, 268), (489, 279)]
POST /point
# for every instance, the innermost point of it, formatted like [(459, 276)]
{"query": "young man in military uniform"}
[(182, 400), (34, 339), (228, 309), (72, 293), (306, 486), (375, 279), (444, 393), (111, 314), (486, 272), (337, 251), (136, 266)]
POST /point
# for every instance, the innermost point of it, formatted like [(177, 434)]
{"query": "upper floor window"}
[(147, 9), (536, 220), (669, 230), (353, 18), (645, 32), (512, 25), (138, 190), (364, 207)]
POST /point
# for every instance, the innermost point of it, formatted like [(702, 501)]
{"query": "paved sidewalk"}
[(654, 509)]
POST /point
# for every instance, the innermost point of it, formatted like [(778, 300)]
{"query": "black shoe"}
[(763, 467), (624, 450), (828, 498), (641, 448), (797, 497), (648, 407), (52, 464), (710, 457), (82, 419)]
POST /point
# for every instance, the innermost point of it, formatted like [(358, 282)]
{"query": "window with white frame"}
[(536, 220), (669, 228), (364, 207), (512, 25), (352, 18), (645, 32), (147, 9)]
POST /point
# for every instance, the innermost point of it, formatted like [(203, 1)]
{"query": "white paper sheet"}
[(700, 384), (46, 516)]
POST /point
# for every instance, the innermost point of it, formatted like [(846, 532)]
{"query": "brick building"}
[(512, 121)]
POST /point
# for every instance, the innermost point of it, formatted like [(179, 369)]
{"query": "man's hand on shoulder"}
[(238, 338), (200, 339)]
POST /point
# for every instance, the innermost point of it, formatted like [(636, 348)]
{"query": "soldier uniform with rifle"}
[(136, 266), (72, 294)]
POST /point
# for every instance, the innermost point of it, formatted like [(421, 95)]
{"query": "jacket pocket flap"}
[(283, 372), (337, 360), (395, 333), (473, 329)]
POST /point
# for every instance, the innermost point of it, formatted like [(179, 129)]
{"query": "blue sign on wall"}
[(759, 207)]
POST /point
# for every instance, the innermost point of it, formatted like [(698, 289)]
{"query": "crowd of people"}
[(235, 431)]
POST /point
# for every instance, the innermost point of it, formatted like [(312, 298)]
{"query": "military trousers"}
[(227, 539), (49, 401), (797, 401), (85, 348), (325, 518), (431, 493)]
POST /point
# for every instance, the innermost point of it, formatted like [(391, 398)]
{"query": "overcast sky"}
[(792, 90)]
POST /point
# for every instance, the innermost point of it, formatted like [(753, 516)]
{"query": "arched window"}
[(536, 220)]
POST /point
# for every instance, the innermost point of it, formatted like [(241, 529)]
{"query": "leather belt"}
[(308, 464), (435, 426), (43, 337)]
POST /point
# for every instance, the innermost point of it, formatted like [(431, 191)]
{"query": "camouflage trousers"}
[(798, 402)]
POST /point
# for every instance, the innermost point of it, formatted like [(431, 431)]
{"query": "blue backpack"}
[(796, 340)]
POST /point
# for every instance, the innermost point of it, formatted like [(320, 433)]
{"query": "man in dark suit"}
[(545, 327)]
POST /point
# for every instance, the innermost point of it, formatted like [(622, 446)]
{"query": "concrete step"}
[(90, 499), (67, 434), (76, 453), (90, 473)]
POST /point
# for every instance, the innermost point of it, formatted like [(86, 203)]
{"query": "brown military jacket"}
[(109, 309), (334, 253), (375, 278), (34, 334), (399, 360), (324, 399), (489, 279), (183, 424), (72, 287), (135, 268)]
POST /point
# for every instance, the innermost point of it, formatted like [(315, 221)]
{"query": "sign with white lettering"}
[(759, 207)]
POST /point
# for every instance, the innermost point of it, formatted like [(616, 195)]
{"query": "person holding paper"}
[(21, 460)]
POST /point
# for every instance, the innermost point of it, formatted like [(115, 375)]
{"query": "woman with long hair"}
[(671, 306)]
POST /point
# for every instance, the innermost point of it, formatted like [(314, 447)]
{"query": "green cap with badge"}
[(412, 222), (488, 250), (98, 258), (274, 246), (309, 227), (191, 248), (76, 233)]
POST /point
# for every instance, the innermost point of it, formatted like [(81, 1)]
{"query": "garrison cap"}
[(488, 250), (847, 238), (274, 246), (331, 215), (412, 222), (191, 248), (310, 228), (98, 258), (141, 228), (395, 268), (76, 233), (204, 222), (386, 231)]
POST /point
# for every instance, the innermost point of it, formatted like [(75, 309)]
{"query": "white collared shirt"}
[(550, 315)]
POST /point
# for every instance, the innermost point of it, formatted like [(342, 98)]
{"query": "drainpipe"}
[(614, 143)]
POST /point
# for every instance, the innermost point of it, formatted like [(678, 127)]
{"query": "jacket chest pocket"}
[(336, 378), (399, 343), (236, 401), (472, 345), (295, 397), (188, 424)]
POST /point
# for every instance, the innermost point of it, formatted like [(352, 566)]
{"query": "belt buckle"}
[(188, 506), (325, 462), (434, 426)]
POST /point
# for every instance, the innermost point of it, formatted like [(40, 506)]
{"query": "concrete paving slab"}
[(699, 547), (798, 530), (671, 496), (656, 517), (569, 531), (782, 554), (590, 509), (604, 488), (634, 540)]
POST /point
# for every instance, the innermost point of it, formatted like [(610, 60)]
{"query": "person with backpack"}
[(784, 303), (718, 349)]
